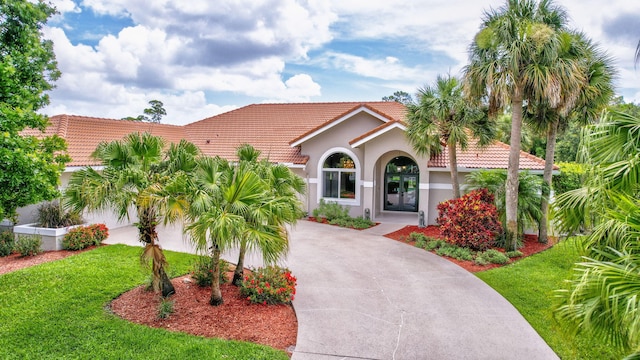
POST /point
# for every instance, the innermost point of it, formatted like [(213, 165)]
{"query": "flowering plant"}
[(84, 236), (269, 285), (470, 221), (100, 233)]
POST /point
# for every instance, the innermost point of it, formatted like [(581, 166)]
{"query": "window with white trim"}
[(339, 177)]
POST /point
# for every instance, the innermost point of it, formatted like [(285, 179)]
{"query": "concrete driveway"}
[(363, 296)]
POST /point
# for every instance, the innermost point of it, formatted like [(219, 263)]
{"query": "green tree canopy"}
[(30, 166), (402, 97)]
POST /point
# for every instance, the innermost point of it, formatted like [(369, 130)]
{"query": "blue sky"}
[(201, 57)]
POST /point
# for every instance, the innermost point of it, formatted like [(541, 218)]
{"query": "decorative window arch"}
[(338, 173)]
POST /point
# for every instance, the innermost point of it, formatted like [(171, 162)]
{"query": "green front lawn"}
[(529, 285), (57, 310)]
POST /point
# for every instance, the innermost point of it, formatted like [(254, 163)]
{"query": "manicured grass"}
[(57, 310), (530, 285)]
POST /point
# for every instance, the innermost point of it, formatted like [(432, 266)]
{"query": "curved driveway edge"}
[(368, 297)]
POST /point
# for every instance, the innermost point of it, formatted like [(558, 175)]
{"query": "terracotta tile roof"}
[(494, 156), (272, 127), (83, 134)]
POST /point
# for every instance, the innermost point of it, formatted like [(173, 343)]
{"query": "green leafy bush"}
[(6, 243), (514, 254), (491, 256), (569, 178), (355, 223), (203, 269), (28, 245), (269, 285), (52, 215), (434, 244), (165, 308), (422, 240), (330, 211), (470, 221), (456, 252), (82, 237)]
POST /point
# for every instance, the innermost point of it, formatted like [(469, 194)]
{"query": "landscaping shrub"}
[(52, 215), (165, 308), (349, 222), (514, 254), (456, 252), (82, 237), (202, 270), (269, 285), (569, 178), (330, 211), (6, 243), (100, 233), (434, 244), (422, 240), (28, 245), (491, 256), (470, 221)]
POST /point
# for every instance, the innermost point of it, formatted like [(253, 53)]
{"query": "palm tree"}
[(513, 59), (602, 295), (584, 105), (132, 167), (443, 116), (226, 206), (610, 151), (283, 208)]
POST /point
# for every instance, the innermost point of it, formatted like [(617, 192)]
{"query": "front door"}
[(401, 192)]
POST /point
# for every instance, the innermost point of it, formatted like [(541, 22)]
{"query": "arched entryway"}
[(401, 179)]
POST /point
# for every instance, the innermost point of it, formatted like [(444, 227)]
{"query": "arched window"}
[(339, 177)]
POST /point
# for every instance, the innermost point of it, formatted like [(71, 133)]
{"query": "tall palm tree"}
[(587, 62), (284, 207), (225, 206), (442, 116), (513, 59), (132, 167)]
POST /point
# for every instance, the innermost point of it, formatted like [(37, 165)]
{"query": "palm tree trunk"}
[(216, 293), (547, 177), (239, 272), (453, 164), (148, 235), (511, 191)]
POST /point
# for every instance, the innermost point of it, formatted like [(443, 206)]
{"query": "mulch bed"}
[(530, 246)]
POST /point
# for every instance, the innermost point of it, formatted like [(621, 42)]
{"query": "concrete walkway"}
[(363, 296)]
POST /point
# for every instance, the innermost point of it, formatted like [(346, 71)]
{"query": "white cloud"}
[(183, 52)]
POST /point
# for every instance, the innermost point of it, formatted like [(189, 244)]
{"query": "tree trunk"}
[(238, 274), (453, 164), (216, 293), (165, 284), (547, 177), (511, 191)]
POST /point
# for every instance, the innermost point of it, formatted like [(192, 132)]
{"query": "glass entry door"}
[(401, 192)]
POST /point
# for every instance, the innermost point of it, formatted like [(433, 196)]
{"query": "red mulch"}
[(530, 246), (237, 318)]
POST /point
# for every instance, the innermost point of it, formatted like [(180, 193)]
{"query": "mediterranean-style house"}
[(352, 153)]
